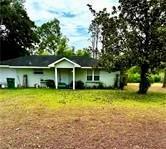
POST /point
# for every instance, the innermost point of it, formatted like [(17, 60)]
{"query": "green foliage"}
[(100, 86), (69, 52), (16, 30), (82, 52), (156, 78), (50, 83), (52, 42), (78, 85), (134, 69), (51, 39), (133, 35), (134, 76)]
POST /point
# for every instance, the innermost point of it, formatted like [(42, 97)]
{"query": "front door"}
[(64, 76)]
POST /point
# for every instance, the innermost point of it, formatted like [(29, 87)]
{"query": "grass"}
[(65, 118)]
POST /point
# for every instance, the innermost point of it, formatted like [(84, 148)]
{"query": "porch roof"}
[(44, 61)]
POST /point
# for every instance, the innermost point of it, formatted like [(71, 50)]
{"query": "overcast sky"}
[(73, 15)]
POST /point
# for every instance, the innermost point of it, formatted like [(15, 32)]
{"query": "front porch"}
[(65, 72), (64, 77)]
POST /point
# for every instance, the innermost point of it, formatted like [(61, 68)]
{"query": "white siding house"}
[(66, 70)]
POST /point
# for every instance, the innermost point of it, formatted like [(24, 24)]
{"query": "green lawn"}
[(85, 119)]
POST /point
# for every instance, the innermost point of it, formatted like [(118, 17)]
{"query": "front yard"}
[(82, 119)]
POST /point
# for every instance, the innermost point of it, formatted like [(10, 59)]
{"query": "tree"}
[(112, 38), (162, 32), (163, 67), (131, 35), (16, 30), (83, 52), (164, 81), (51, 39), (95, 35)]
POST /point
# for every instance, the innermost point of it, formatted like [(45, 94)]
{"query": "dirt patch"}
[(85, 128), (155, 87)]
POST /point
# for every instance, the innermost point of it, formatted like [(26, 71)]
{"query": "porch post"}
[(56, 78), (73, 78)]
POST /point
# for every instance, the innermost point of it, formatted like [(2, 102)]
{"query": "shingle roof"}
[(44, 61)]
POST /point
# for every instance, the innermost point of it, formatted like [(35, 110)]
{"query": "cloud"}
[(74, 16)]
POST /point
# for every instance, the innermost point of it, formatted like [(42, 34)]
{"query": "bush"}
[(100, 86), (134, 78), (156, 78), (78, 85), (50, 83)]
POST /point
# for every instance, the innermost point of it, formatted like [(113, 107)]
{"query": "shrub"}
[(78, 84), (134, 78), (156, 78), (150, 78), (100, 86), (134, 69), (50, 83), (116, 83)]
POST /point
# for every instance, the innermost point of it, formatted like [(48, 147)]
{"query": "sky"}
[(74, 16)]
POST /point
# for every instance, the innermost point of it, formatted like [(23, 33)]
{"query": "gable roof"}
[(64, 59), (44, 61)]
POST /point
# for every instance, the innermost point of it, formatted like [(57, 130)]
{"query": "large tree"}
[(16, 29), (164, 80), (131, 35), (52, 42)]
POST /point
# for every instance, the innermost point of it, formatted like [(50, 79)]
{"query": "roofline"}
[(3, 66), (8, 66), (91, 67), (64, 58)]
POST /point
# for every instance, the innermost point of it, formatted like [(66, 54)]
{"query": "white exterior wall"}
[(108, 79), (7, 73), (64, 64), (18, 74), (34, 78)]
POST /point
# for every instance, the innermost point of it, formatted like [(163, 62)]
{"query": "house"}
[(31, 71)]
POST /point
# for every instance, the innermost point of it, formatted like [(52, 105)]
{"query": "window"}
[(96, 75), (93, 75), (38, 71), (89, 75)]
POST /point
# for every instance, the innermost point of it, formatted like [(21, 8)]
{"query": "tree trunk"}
[(144, 83), (123, 79), (164, 81)]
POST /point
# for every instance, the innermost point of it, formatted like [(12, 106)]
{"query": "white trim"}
[(93, 76), (4, 66), (56, 78), (74, 78), (64, 58), (86, 67), (27, 67), (8, 66), (91, 67)]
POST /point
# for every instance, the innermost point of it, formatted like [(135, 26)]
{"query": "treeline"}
[(133, 76), (20, 36), (131, 34)]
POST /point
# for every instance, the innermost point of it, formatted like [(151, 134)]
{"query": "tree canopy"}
[(51, 40), (132, 35), (16, 30)]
